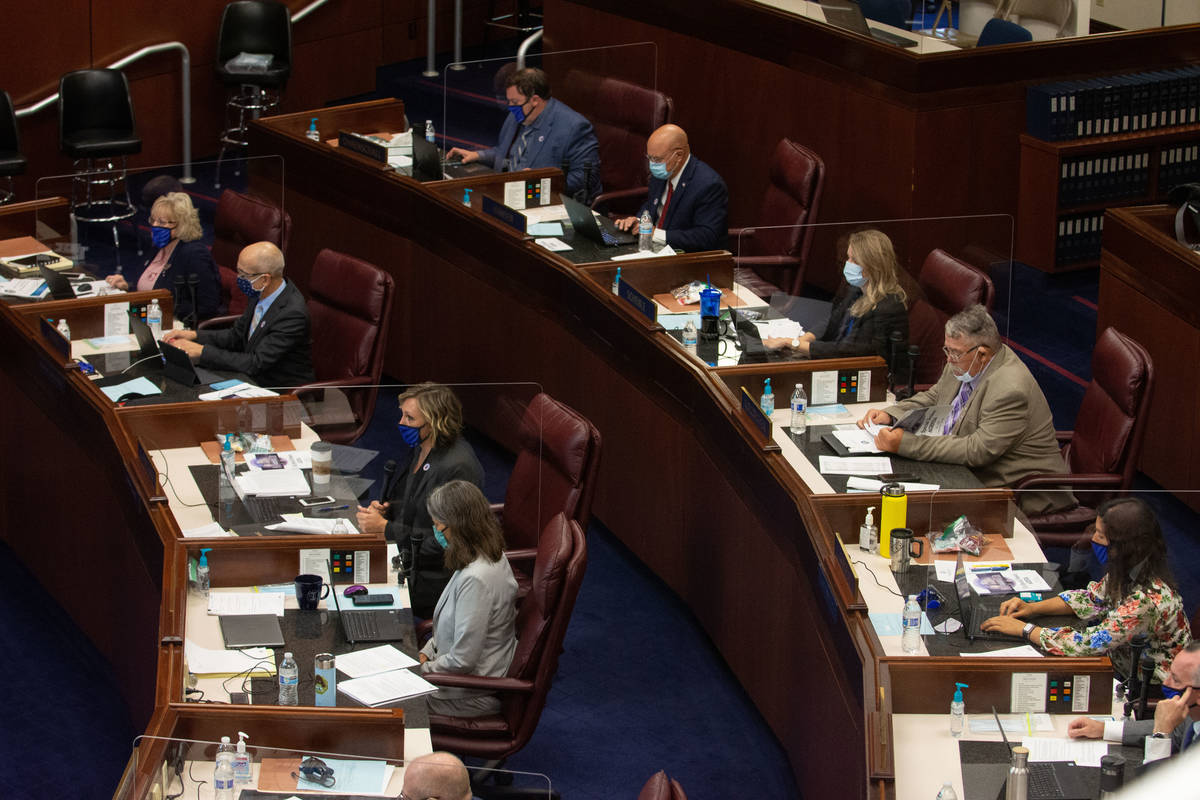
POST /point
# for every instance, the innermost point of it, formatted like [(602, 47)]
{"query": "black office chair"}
[(11, 160), (95, 128), (1001, 31), (251, 30)]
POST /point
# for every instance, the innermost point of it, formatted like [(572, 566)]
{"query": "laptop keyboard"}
[(608, 237), (1042, 781), (267, 509), (360, 625)]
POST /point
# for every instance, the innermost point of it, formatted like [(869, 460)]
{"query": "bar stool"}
[(11, 160), (254, 59), (95, 127)]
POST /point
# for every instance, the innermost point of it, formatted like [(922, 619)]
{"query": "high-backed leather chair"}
[(240, 220), (660, 787), (948, 285), (1001, 31), (1102, 452), (541, 626), (770, 257), (624, 115), (349, 305), (12, 162)]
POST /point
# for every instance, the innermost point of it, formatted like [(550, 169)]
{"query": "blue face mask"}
[(160, 236), (410, 435), (1167, 691), (247, 287), (1101, 553), (440, 536), (659, 170), (518, 112), (853, 274)]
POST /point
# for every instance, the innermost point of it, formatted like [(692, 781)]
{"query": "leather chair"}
[(660, 787), (11, 161), (555, 472), (240, 220), (95, 128), (1102, 452), (948, 285), (770, 257), (624, 115), (257, 27), (541, 626), (350, 306), (1001, 31)]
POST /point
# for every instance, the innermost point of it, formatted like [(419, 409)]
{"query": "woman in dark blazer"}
[(175, 229), (869, 305)]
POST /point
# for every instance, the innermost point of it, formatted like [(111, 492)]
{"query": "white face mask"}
[(966, 376)]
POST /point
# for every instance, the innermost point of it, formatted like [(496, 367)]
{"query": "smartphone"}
[(315, 501), (372, 599)]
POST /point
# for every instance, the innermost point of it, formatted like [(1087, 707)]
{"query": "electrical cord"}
[(877, 583)]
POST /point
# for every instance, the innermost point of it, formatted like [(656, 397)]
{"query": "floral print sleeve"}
[(1155, 609)]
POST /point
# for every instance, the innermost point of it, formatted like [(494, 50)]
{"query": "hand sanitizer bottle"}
[(868, 534), (241, 762), (312, 132), (203, 577), (767, 403), (958, 711)]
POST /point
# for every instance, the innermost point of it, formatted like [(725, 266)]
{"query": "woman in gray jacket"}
[(474, 622)]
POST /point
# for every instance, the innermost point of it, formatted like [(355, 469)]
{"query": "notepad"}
[(361, 663), (386, 687)]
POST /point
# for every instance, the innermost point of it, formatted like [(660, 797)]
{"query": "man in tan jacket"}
[(986, 412)]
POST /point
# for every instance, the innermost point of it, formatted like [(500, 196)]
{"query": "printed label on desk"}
[(1028, 692), (639, 301), (824, 388), (1079, 695), (864, 385), (315, 561), (545, 198), (755, 412), (514, 194), (362, 566)]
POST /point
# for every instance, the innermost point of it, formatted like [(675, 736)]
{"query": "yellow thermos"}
[(893, 514)]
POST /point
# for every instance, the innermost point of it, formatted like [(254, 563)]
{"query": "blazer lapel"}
[(538, 137), (676, 195)]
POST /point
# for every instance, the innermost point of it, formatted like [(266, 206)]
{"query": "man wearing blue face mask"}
[(687, 199), (541, 131), (996, 419), (271, 342)]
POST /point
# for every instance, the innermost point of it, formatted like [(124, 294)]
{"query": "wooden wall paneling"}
[(120, 29), (925, 685), (331, 68), (38, 45)]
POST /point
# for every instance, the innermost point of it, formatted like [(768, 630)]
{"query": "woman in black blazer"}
[(175, 229), (869, 305)]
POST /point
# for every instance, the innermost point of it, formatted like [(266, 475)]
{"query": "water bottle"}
[(1112, 776), (910, 640), (325, 679), (430, 134), (645, 232), (289, 679), (223, 774), (799, 409), (154, 318), (312, 132), (1017, 787), (767, 402), (690, 335), (947, 792), (64, 329)]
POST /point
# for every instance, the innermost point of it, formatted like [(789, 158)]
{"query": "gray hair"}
[(976, 325)]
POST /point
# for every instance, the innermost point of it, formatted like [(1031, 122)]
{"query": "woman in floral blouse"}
[(1136, 595)]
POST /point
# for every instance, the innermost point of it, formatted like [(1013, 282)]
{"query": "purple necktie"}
[(956, 408)]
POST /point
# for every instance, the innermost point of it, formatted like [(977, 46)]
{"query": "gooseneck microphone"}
[(389, 475), (894, 359)]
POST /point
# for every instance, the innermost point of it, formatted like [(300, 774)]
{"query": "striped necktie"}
[(257, 318), (956, 408), (518, 162)]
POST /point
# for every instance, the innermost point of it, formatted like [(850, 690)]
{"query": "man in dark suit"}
[(687, 199), (542, 132), (271, 341)]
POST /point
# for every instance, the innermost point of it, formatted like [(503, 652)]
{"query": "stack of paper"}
[(373, 661), (274, 483), (228, 604), (207, 663), (298, 523), (386, 687)]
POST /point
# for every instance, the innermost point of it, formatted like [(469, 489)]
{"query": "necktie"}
[(662, 215), (956, 408), (517, 162), (257, 318), (1189, 735)]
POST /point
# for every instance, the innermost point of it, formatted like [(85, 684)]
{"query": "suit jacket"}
[(1005, 433), (560, 134), (188, 259), (474, 625), (870, 335), (1135, 731), (407, 512), (279, 353), (698, 215)]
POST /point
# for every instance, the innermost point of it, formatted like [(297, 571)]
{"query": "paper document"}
[(1020, 651), (274, 483), (230, 604), (944, 570), (545, 229), (1020, 726), (354, 777), (856, 441), (1084, 752), (1029, 580), (137, 385), (861, 465), (992, 579), (208, 663), (207, 531), (666, 251), (362, 663), (386, 687), (24, 287), (552, 243), (859, 484), (926, 421), (534, 216), (240, 389), (779, 329), (298, 523)]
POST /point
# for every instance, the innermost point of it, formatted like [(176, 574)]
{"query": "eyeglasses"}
[(159, 223), (659, 159), (249, 275), (954, 356)]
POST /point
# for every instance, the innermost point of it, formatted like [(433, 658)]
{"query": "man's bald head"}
[(262, 257), (669, 145), (441, 775)]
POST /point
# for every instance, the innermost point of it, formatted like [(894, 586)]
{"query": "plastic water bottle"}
[(154, 318), (910, 640), (689, 337), (312, 132), (430, 134), (64, 328), (947, 792), (799, 409), (767, 402), (289, 679), (645, 232), (223, 773)]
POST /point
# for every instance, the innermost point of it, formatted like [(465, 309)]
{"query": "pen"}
[(978, 570), (331, 508)]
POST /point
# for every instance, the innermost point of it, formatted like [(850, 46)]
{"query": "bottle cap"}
[(892, 490), (287, 654), (312, 125), (958, 698), (870, 516), (767, 386), (224, 740)]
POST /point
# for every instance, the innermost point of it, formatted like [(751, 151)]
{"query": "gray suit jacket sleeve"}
[(1134, 733)]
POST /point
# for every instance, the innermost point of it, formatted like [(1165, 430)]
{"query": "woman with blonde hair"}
[(474, 623), (175, 229), (869, 305)]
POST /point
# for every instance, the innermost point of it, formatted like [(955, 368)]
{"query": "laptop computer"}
[(380, 625), (601, 232), (1063, 780), (251, 630), (58, 284), (848, 16), (974, 609)]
